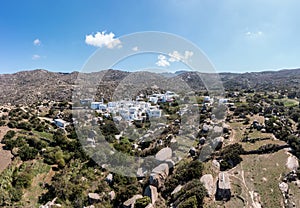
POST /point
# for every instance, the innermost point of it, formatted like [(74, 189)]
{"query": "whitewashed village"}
[(147, 106), (213, 161)]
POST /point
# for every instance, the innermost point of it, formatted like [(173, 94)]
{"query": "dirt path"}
[(254, 196)]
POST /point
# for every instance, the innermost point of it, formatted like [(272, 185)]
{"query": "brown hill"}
[(32, 86)]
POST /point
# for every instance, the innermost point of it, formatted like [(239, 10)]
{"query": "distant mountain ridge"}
[(36, 85)]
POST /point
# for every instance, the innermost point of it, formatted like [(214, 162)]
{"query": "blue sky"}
[(237, 36)]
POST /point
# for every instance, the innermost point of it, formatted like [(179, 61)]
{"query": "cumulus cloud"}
[(254, 35), (135, 48), (162, 61), (37, 42), (36, 57), (175, 56), (101, 39)]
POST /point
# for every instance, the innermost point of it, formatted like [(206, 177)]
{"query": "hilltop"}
[(37, 85)]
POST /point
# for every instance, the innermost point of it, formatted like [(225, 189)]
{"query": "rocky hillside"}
[(37, 85), (31, 86)]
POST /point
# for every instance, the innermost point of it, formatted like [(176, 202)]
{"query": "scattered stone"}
[(202, 140), (192, 151), (109, 178), (284, 187), (112, 195), (93, 197), (205, 128), (208, 182), (217, 143), (218, 129), (292, 162), (164, 154), (226, 128), (151, 191), (216, 164), (173, 141), (130, 202), (177, 189), (51, 204), (159, 174)]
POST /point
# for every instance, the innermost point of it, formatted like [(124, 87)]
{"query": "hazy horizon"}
[(238, 72)]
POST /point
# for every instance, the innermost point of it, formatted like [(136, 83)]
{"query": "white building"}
[(153, 112), (86, 101), (60, 123), (112, 104), (98, 106), (128, 110), (223, 101), (207, 99), (169, 96)]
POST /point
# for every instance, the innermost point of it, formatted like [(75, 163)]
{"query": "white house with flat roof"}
[(154, 112), (86, 101), (60, 123), (169, 96), (98, 106)]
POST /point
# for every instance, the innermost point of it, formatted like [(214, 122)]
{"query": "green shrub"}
[(191, 195), (231, 156), (12, 124), (27, 153), (185, 172), (22, 180), (16, 194), (143, 202), (24, 125), (189, 203)]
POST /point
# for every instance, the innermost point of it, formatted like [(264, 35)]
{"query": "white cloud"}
[(175, 56), (254, 35), (162, 61), (36, 57), (101, 39), (135, 48), (37, 42)]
